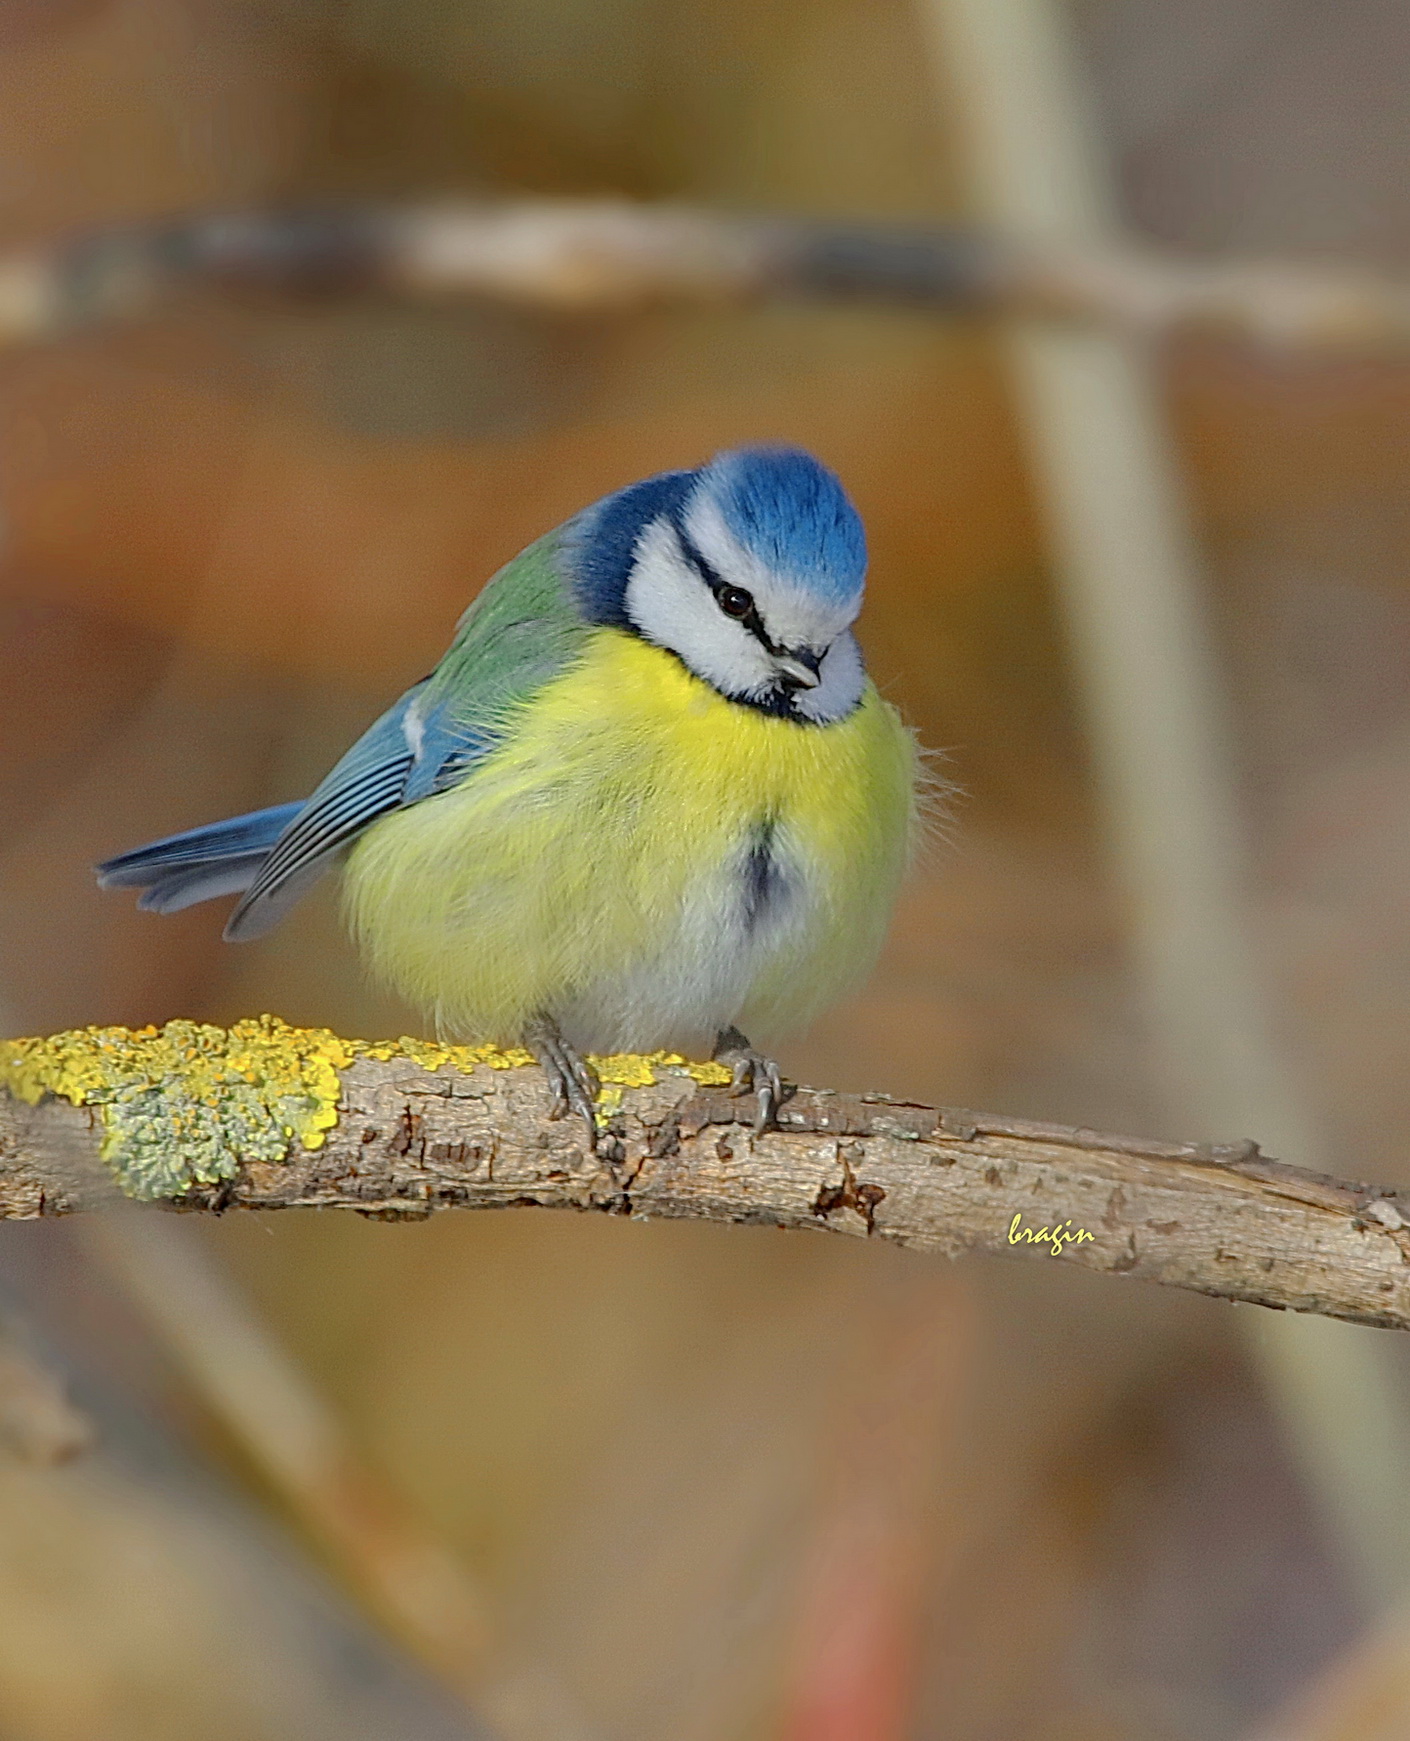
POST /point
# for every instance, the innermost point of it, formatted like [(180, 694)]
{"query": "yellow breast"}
[(638, 854)]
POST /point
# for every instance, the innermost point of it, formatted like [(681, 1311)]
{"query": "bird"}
[(649, 800)]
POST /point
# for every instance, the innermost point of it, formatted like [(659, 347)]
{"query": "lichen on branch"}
[(265, 1116), (185, 1104)]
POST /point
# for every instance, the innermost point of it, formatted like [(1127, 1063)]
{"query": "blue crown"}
[(792, 513), (779, 502)]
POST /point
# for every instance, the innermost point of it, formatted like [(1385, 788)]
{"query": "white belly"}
[(739, 928)]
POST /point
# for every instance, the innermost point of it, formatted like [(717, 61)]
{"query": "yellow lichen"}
[(431, 1054), (622, 1070), (708, 1073), (184, 1104), (181, 1104)]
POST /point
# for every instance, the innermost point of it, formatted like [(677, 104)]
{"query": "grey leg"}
[(753, 1073), (572, 1079)]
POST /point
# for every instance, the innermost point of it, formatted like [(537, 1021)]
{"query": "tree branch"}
[(403, 1132), (595, 257)]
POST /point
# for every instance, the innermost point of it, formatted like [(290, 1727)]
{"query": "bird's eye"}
[(734, 601)]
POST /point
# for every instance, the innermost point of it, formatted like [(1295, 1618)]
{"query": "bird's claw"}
[(572, 1080), (751, 1073)]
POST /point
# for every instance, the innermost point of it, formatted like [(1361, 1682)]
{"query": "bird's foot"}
[(751, 1073), (571, 1078)]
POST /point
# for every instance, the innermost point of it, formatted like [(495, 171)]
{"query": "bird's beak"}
[(800, 669)]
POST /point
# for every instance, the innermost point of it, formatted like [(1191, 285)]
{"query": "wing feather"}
[(518, 635), (367, 783)]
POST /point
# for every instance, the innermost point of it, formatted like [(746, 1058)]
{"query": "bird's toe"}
[(571, 1079), (751, 1072)]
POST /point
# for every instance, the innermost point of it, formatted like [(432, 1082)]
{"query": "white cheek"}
[(670, 605), (843, 678)]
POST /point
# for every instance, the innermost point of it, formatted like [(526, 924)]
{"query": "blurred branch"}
[(407, 1140), (38, 1424), (1362, 1694), (1107, 474), (414, 1584), (595, 257)]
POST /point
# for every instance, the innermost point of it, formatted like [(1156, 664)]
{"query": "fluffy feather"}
[(648, 792), (646, 860)]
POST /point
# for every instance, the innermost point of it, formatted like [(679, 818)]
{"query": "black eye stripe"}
[(717, 584), (696, 558)]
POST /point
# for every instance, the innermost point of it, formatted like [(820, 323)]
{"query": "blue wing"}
[(410, 753), (516, 636), (272, 856)]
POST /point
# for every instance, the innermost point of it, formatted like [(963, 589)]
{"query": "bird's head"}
[(748, 569)]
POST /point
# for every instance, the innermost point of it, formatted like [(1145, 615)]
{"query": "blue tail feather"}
[(172, 890), (223, 858), (272, 857)]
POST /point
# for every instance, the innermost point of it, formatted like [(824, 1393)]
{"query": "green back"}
[(517, 635)]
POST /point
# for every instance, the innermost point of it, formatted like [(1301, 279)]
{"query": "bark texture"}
[(409, 1140)]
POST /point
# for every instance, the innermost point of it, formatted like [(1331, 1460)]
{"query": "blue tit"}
[(649, 799)]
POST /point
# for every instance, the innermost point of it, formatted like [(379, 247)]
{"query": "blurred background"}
[(722, 1484)]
